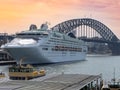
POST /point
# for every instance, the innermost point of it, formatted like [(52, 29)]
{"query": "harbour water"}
[(93, 65)]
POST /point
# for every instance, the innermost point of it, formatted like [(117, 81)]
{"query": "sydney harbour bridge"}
[(91, 30)]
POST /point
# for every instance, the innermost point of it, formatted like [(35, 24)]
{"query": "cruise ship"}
[(45, 46)]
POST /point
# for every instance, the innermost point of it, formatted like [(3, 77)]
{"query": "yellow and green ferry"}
[(27, 72)]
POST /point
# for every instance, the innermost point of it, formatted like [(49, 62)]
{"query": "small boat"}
[(20, 72), (112, 85), (105, 87), (2, 75)]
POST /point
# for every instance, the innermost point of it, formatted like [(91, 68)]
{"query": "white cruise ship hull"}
[(43, 46), (35, 55)]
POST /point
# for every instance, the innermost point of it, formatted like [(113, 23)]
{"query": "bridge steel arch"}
[(104, 31)]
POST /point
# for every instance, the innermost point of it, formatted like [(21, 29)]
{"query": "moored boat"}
[(113, 84)]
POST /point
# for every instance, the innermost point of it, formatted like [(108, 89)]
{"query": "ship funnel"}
[(33, 27), (44, 26)]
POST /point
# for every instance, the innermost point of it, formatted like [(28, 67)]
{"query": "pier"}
[(56, 82)]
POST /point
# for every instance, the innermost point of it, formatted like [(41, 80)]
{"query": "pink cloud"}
[(28, 11)]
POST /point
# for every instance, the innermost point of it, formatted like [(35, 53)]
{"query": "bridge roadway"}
[(55, 82)]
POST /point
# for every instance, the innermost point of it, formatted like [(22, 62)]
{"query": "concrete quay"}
[(55, 82)]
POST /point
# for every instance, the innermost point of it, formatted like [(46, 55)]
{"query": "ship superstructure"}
[(40, 46)]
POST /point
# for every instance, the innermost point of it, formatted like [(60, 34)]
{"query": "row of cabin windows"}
[(18, 78), (67, 42), (64, 49), (61, 39), (57, 48)]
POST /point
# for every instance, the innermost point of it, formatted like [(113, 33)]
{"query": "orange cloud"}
[(18, 14)]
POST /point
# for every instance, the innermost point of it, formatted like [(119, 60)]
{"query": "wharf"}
[(55, 82)]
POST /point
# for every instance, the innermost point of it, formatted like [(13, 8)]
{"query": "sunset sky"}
[(17, 15)]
